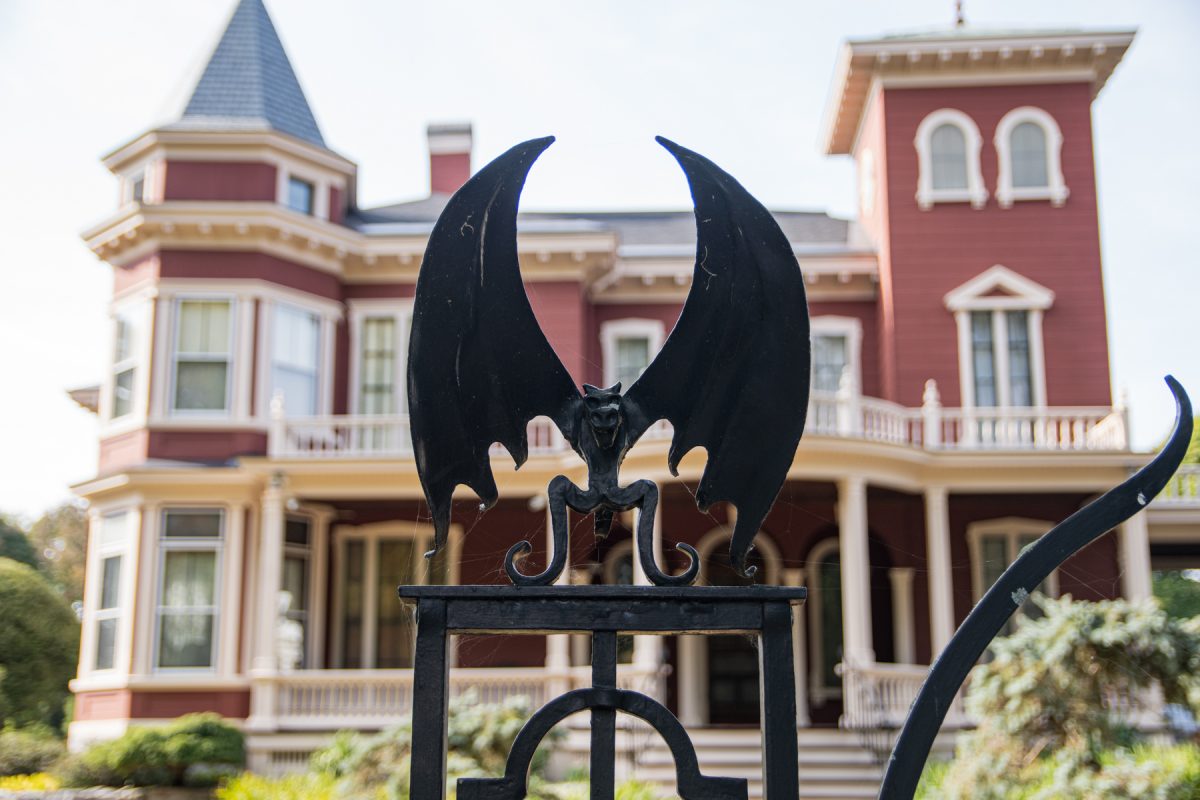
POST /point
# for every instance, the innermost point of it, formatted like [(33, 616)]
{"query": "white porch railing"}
[(1183, 490), (359, 698), (878, 696), (844, 414)]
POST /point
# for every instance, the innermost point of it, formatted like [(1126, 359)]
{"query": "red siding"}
[(931, 252), (126, 277), (213, 446), (560, 309), (354, 291), (219, 180), (227, 264), (126, 704), (123, 450), (337, 208)]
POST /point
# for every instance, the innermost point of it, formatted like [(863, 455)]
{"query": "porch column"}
[(693, 680), (1135, 558), (903, 634), (647, 649), (558, 645), (858, 647), (272, 518), (795, 577), (941, 579)]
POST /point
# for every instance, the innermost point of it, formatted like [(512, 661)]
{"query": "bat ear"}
[(589, 389), (615, 388)]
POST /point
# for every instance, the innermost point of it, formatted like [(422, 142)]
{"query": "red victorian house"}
[(254, 439)]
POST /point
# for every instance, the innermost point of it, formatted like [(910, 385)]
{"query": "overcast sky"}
[(743, 82)]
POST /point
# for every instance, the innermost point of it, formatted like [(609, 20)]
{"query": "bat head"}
[(603, 412)]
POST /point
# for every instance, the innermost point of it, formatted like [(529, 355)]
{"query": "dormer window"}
[(1028, 151), (948, 145), (1000, 355), (300, 195)]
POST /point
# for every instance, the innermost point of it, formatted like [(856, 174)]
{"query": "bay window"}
[(296, 357), (187, 609), (203, 354)]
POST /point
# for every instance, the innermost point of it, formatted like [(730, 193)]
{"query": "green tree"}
[(1178, 593), (60, 539), (15, 544), (39, 645), (1048, 695)]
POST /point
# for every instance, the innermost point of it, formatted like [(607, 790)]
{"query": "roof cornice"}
[(222, 140), (961, 57)]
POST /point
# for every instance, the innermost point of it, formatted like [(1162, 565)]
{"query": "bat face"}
[(602, 409)]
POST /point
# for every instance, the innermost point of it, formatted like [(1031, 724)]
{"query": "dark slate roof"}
[(646, 232), (249, 83)]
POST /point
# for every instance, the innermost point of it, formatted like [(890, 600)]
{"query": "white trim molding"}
[(632, 327), (975, 192), (996, 290), (1056, 189), (400, 309)]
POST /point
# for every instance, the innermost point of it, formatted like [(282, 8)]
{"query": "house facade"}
[(253, 436)]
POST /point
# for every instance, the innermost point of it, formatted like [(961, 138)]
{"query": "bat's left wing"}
[(733, 376)]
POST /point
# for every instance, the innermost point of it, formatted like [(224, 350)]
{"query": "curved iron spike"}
[(985, 621)]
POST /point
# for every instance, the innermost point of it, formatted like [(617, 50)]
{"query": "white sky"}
[(743, 82)]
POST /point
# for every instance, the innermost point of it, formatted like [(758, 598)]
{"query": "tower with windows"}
[(977, 186)]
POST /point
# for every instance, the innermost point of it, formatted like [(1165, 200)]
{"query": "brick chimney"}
[(449, 156)]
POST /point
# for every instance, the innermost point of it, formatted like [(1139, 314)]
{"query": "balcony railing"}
[(844, 414), (878, 696), (1184, 489)]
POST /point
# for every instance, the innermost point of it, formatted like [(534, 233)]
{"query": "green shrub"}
[(309, 786), (39, 646), (478, 737), (23, 752), (1046, 724), (195, 750)]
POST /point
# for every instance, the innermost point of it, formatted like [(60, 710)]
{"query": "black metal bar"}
[(431, 680), (778, 704), (604, 720), (706, 594), (1009, 592), (578, 614)]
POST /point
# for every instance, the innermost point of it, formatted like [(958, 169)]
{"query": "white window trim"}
[(137, 309), (630, 327), (817, 690), (1017, 293), (370, 535), (401, 311), (851, 329), (976, 193), (1056, 192), (327, 331), (215, 545), (1012, 528), (232, 360)]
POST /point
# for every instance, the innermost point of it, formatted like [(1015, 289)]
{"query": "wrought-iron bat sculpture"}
[(732, 377)]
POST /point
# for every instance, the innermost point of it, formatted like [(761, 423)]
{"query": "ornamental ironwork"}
[(732, 378)]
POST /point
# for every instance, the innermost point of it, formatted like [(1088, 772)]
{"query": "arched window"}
[(1028, 149), (948, 145)]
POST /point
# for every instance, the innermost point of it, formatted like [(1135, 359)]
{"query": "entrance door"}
[(732, 659), (824, 608)]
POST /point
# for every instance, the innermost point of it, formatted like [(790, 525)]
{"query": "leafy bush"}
[(195, 750), (1048, 728), (39, 645), (23, 752), (478, 736), (1178, 593), (309, 786)]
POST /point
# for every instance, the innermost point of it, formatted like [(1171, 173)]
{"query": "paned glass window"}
[(300, 195), (187, 597), (296, 345), (983, 358), (123, 368), (830, 355), (203, 353), (377, 366), (948, 153), (1028, 145), (108, 612), (633, 356)]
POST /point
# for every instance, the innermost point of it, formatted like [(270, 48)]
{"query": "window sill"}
[(928, 199), (1057, 195)]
